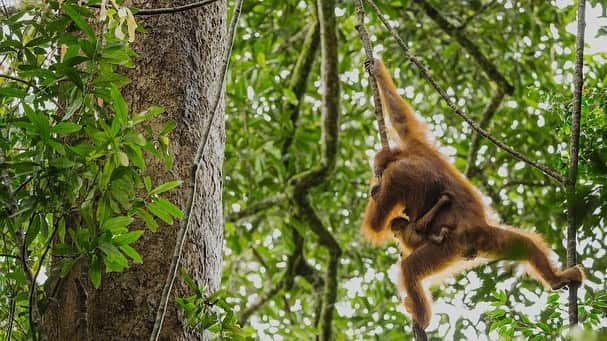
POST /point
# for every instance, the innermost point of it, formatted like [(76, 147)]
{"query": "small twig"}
[(11, 319), (488, 113), (8, 256), (167, 10), (244, 316), (6, 15), (17, 79), (574, 145), (476, 14), (259, 258), (31, 84), (185, 222), (32, 296), (23, 184), (364, 37), (299, 80), (524, 183), (426, 74), (257, 207)]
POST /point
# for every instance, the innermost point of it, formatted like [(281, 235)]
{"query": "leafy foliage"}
[(211, 312), (529, 44), (73, 156)]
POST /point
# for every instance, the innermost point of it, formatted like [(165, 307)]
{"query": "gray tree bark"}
[(178, 68)]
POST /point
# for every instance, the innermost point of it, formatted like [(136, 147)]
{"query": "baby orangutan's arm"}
[(421, 224)]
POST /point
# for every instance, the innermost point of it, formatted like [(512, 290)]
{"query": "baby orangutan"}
[(448, 222), (415, 233)]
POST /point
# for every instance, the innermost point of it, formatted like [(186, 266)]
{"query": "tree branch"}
[(572, 219), (476, 14), (302, 183), (167, 10), (8, 256), (31, 84), (460, 36), (426, 74), (244, 316), (364, 37), (296, 262), (11, 319), (299, 80), (488, 113), (257, 207), (185, 222), (504, 87)]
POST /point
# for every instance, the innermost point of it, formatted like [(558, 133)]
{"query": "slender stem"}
[(11, 319), (168, 10), (257, 207), (8, 256), (364, 37), (31, 84), (572, 221), (488, 113), (32, 293), (185, 222), (305, 181), (244, 316), (299, 81), (476, 14), (426, 74), (171, 10), (33, 313)]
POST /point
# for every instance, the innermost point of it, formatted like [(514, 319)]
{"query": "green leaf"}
[(129, 251), (81, 149), (165, 187), (119, 105), (78, 20), (168, 127), (75, 104), (157, 210), (128, 238), (136, 139), (170, 208), (187, 279), (116, 222), (153, 111), (108, 169), (148, 220), (12, 92), (95, 271), (122, 159), (65, 128), (135, 156), (290, 96), (148, 183), (32, 231), (114, 260), (544, 327)]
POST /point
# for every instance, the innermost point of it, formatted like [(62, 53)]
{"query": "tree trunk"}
[(178, 68)]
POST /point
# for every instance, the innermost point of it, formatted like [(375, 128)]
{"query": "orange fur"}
[(414, 176)]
